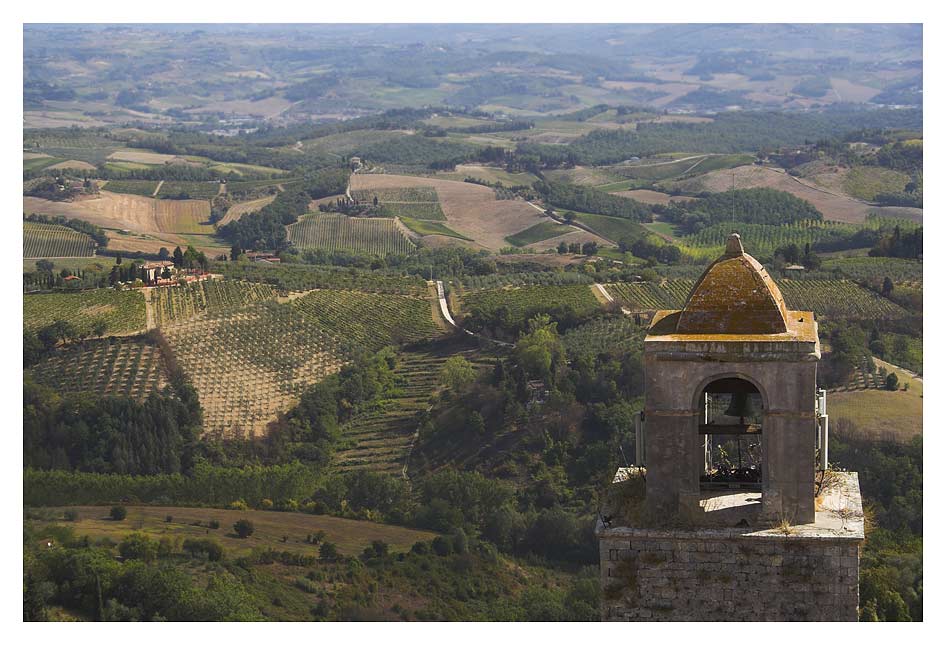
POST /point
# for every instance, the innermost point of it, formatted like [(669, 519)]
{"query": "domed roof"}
[(735, 295)]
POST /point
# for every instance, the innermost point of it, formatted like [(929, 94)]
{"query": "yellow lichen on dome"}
[(735, 295)]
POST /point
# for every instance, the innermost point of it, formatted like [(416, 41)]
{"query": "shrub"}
[(118, 513), (459, 542), (71, 515), (243, 528), (441, 546), (421, 548), (213, 523), (138, 546), (328, 551), (266, 503), (204, 546), (891, 381), (168, 518), (165, 547), (239, 505)]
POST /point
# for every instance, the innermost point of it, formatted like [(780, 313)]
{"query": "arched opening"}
[(731, 426)]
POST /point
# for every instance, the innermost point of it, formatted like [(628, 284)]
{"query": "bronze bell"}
[(739, 406)]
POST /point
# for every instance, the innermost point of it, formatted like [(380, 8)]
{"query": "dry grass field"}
[(136, 223), (183, 216), (73, 164), (131, 212), (470, 209), (142, 157), (882, 414), (237, 211), (836, 207), (350, 536)]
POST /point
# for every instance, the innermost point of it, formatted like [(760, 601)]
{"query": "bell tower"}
[(731, 392), (730, 499)]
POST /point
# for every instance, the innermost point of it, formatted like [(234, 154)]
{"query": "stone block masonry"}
[(736, 574)]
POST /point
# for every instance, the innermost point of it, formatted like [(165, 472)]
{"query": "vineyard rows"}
[(668, 295), (145, 187), (866, 268), (299, 278), (405, 194), (521, 301), (120, 367), (417, 202), (251, 363), (605, 335), (522, 279), (763, 239), (369, 321), (827, 298), (181, 302), (379, 236), (838, 299), (122, 311), (54, 241)]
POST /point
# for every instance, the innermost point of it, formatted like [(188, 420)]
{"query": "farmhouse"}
[(268, 258), (727, 514), (152, 271)]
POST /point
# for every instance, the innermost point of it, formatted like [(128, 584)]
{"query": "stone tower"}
[(729, 513)]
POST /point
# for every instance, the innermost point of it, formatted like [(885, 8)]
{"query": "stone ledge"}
[(839, 517)]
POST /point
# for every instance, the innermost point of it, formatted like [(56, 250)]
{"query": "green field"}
[(54, 241), (661, 228), (866, 182), (39, 163), (538, 233), (144, 187), (379, 236), (429, 228), (192, 190), (611, 228), (414, 210), (122, 310)]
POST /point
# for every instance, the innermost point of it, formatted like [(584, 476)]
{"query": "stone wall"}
[(707, 575)]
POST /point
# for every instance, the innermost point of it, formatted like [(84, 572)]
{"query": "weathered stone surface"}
[(738, 574)]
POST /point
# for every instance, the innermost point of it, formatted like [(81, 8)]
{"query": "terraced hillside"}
[(381, 439), (380, 236), (54, 241), (127, 367)]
